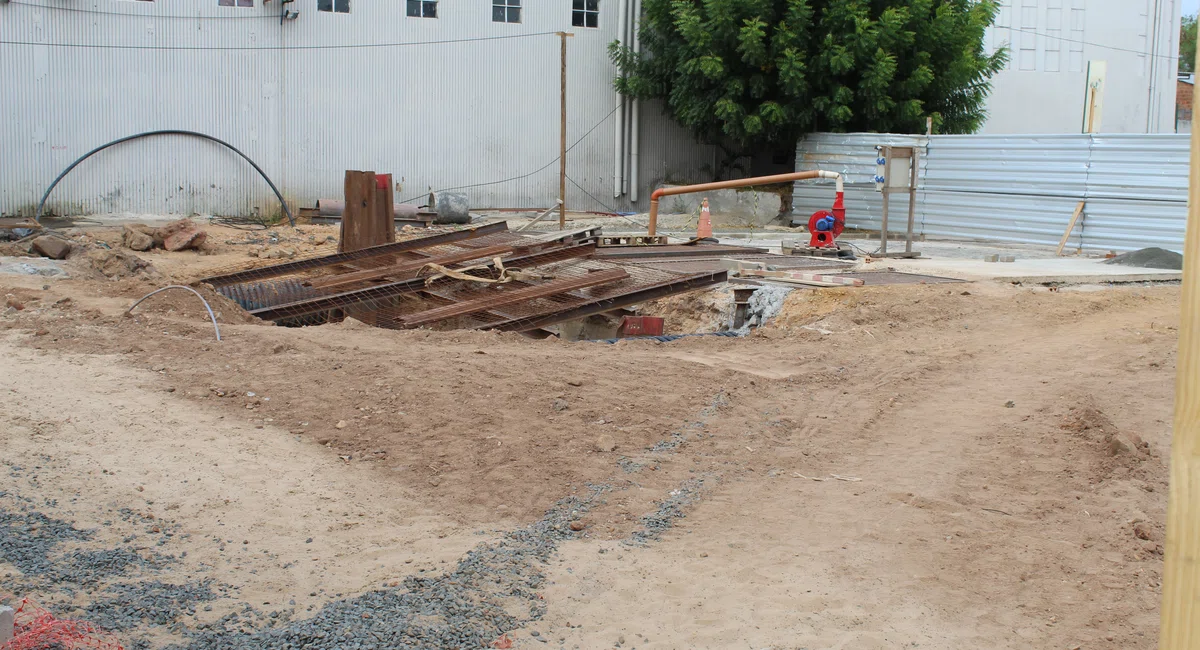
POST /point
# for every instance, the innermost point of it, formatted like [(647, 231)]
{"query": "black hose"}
[(282, 203)]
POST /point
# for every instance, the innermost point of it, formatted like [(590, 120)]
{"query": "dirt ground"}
[(935, 466)]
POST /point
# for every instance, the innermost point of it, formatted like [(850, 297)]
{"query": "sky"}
[(1191, 7)]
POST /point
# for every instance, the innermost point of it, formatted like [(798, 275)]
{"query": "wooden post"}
[(368, 218), (883, 226), (562, 138), (1181, 570), (1070, 226), (914, 161)]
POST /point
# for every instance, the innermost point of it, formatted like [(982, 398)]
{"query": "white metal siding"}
[(1018, 188), (308, 99)]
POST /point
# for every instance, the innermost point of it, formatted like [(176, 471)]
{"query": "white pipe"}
[(825, 174), (619, 158), (635, 135)]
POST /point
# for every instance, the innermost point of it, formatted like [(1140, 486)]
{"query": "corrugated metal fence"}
[(1017, 188)]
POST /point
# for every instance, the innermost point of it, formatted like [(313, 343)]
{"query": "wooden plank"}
[(501, 298), (1071, 226), (383, 224), (1181, 571), (406, 266), (356, 231)]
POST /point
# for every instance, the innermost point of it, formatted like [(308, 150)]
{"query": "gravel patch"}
[(493, 590), (128, 606), (669, 510)]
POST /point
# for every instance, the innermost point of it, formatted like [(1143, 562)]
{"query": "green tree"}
[(752, 76), (1187, 45)]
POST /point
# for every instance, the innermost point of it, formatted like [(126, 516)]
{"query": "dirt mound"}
[(115, 264), (177, 302), (1111, 446), (1150, 258)]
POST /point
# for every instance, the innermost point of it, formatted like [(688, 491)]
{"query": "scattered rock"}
[(52, 247), (182, 235), (341, 424), (605, 443), (1144, 532), (574, 382), (577, 525), (1009, 404), (137, 239), (12, 302), (560, 404)]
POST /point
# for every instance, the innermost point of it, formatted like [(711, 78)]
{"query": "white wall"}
[(1043, 89), (308, 99)]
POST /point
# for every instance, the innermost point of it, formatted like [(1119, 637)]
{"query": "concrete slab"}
[(7, 622), (1059, 270)]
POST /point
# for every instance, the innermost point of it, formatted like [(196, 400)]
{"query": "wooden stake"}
[(1181, 571), (1071, 226), (562, 139)]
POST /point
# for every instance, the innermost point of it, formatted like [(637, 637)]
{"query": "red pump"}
[(826, 225)]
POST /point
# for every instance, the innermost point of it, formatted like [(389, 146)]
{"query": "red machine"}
[(826, 225)]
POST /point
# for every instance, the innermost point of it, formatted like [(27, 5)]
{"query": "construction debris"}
[(178, 235), (52, 247), (476, 278)]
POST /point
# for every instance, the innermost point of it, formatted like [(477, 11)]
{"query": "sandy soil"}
[(979, 465)]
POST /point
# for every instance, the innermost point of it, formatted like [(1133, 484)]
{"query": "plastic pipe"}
[(838, 204), (283, 204), (619, 159), (635, 118)]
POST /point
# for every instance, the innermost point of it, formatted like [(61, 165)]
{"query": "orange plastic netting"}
[(37, 629)]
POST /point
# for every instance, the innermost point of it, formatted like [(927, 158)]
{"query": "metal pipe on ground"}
[(740, 182), (335, 208)]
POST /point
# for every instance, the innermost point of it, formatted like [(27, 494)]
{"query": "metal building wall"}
[(1019, 188), (440, 103)]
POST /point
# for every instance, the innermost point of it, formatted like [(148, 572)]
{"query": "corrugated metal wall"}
[(440, 103), (1018, 188)]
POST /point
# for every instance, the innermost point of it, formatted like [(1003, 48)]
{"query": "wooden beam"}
[(406, 266), (1071, 226), (1181, 571), (500, 298)]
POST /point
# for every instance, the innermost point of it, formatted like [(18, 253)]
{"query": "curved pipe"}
[(41, 204), (179, 286), (741, 182)]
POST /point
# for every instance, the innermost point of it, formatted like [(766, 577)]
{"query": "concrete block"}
[(1008, 258), (8, 619), (991, 258)]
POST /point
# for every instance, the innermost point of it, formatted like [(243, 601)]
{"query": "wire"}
[(118, 13), (602, 203), (1100, 45), (517, 178), (273, 48)]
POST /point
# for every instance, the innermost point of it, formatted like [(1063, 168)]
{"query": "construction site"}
[(520, 433), (609, 324)]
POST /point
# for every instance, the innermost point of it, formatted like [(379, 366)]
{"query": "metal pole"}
[(562, 142), (1181, 571)]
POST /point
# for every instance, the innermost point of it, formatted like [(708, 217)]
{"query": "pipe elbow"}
[(656, 195), (834, 175)]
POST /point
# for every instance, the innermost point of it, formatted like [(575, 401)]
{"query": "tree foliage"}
[(1187, 44), (751, 74)]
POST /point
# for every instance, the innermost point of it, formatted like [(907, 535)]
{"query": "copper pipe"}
[(724, 185)]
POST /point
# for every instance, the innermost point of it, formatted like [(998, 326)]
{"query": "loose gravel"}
[(669, 510), (493, 590)]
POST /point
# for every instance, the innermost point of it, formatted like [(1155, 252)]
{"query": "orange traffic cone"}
[(704, 227)]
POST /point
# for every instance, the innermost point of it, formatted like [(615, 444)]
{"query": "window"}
[(585, 13), (506, 11), (422, 8), (336, 6), (235, 3)]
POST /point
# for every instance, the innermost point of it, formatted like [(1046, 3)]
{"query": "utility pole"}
[(562, 139), (1181, 572)]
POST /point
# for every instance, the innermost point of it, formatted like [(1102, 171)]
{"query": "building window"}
[(422, 8), (506, 11), (585, 13), (335, 6), (235, 3)]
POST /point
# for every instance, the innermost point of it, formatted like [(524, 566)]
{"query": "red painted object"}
[(826, 225), (641, 326), (383, 181)]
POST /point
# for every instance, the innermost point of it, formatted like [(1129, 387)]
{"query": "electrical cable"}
[(42, 203), (517, 178), (276, 48), (589, 194), (1093, 44)]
